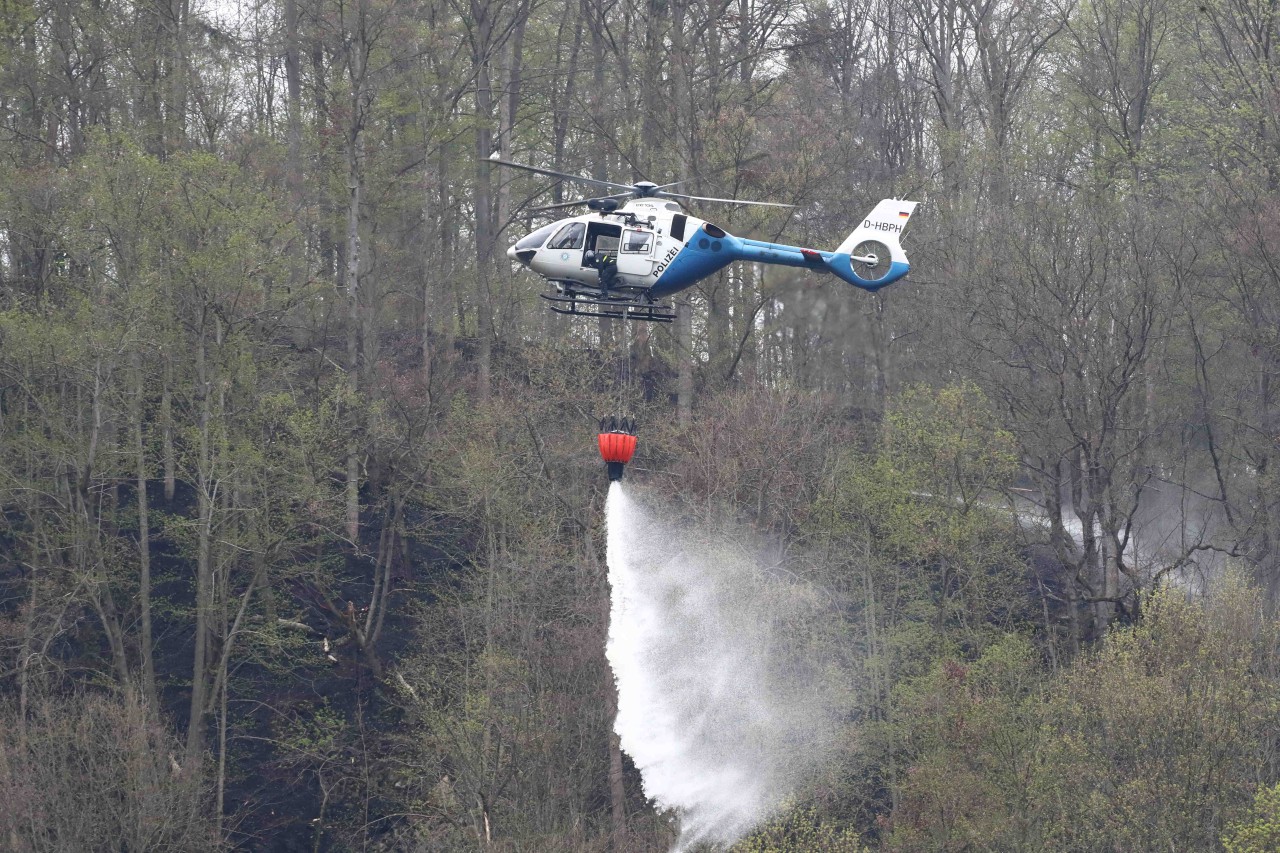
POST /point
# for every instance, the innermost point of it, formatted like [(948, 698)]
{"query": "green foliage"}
[(929, 571), (801, 830), (1259, 830), (1146, 743), (922, 495), (971, 735), (1097, 256), (1155, 736), (88, 772), (926, 502)]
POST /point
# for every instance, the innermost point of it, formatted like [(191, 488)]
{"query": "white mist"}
[(716, 706)]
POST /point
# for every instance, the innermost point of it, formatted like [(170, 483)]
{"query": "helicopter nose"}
[(524, 256)]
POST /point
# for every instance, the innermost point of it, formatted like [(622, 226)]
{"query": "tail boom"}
[(870, 257)]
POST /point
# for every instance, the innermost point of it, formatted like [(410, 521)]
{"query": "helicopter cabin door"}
[(562, 256), (635, 255)]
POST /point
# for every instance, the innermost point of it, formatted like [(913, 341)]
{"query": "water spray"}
[(717, 706)]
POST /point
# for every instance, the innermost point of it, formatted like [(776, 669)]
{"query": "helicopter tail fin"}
[(871, 256)]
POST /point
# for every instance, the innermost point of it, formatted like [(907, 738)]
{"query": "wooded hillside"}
[(301, 540)]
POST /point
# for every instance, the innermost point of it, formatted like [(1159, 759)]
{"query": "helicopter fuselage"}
[(649, 249)]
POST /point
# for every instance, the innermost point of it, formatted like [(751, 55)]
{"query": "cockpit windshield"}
[(570, 237), (536, 239)]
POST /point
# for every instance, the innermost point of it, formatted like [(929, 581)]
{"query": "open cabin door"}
[(603, 239)]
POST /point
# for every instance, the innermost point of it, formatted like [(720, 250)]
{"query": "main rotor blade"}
[(608, 185), (725, 200), (581, 201), (545, 207)]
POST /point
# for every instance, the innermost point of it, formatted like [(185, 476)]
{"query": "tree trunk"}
[(684, 356), (293, 163), (617, 797), (144, 541), (166, 427), (351, 276), (484, 48), (204, 563)]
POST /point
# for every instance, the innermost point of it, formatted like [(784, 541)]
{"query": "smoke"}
[(719, 705)]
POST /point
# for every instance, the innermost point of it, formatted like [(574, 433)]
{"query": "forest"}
[(301, 518)]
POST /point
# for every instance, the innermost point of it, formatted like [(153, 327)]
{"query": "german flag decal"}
[(903, 214)]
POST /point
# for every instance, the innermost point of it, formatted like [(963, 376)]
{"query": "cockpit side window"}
[(569, 237), (536, 239), (636, 241)]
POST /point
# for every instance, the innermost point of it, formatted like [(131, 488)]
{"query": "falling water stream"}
[(718, 707)]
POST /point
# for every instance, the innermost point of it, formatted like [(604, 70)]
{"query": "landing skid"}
[(620, 307)]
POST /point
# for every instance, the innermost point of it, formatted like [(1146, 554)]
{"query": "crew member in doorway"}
[(607, 263)]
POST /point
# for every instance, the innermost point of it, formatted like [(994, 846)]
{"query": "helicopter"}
[(637, 246)]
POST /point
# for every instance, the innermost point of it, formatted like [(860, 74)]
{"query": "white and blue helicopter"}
[(636, 247)]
